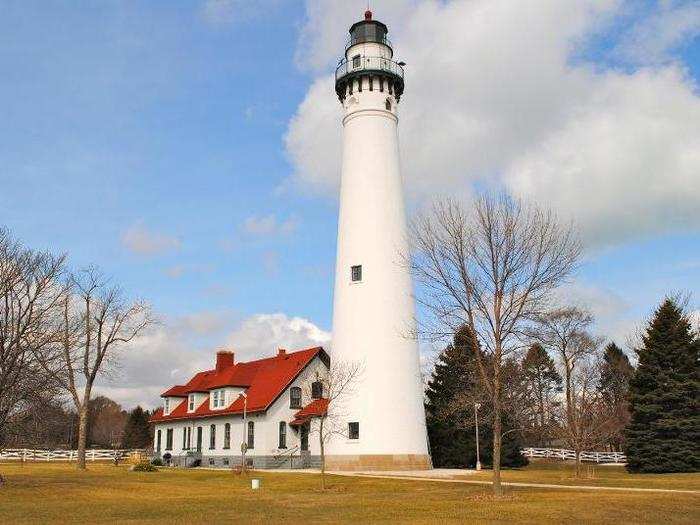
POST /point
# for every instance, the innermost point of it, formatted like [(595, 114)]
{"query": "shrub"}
[(144, 466), (157, 462)]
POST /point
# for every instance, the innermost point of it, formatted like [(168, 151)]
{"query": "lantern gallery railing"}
[(360, 64)]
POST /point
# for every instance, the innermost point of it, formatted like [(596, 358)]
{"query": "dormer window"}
[(190, 402), (166, 406), (218, 398)]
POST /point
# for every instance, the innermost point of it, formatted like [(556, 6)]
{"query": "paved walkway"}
[(446, 476)]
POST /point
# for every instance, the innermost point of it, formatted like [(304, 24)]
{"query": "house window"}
[(169, 439), (316, 390), (189, 437), (184, 439), (295, 397), (227, 435), (356, 273), (354, 430), (387, 104), (166, 406), (225, 461), (356, 61), (251, 434), (283, 435), (218, 397), (199, 439), (158, 441), (212, 437), (211, 462), (190, 403)]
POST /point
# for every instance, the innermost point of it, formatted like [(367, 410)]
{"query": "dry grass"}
[(56, 493)]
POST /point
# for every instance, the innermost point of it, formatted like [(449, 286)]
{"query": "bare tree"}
[(325, 404), (97, 323), (30, 294), (491, 267), (565, 333)]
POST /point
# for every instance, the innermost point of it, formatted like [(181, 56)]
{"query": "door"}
[(305, 437), (199, 439)]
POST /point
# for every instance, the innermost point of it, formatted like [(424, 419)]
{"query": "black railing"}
[(359, 64), (367, 39)]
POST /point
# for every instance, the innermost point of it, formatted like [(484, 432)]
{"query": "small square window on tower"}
[(354, 430), (356, 273)]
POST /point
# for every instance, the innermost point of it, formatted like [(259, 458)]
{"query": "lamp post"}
[(476, 422), (244, 444)]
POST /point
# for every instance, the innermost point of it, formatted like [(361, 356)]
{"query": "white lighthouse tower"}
[(373, 310)]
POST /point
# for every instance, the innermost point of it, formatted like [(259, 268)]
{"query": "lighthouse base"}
[(379, 462)]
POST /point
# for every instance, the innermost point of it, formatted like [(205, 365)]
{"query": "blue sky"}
[(188, 149)]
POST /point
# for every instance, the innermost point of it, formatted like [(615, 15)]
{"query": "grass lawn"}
[(57, 493), (561, 473)]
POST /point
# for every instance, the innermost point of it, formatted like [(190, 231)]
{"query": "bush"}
[(144, 466), (157, 462)]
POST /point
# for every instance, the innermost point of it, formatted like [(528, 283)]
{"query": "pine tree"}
[(137, 431), (542, 383), (452, 391), (664, 431), (615, 374)]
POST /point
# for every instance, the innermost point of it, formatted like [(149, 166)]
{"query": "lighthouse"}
[(373, 307)]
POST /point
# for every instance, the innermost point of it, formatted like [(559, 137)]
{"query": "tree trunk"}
[(497, 489), (82, 435), (323, 456), (578, 462)]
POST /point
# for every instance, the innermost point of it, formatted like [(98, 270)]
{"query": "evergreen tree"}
[(542, 383), (137, 431), (452, 391), (615, 374), (664, 431)]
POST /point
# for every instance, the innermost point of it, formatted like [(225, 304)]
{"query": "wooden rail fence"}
[(27, 454), (564, 454)]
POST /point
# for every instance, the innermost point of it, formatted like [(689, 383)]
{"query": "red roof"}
[(318, 407), (264, 380)]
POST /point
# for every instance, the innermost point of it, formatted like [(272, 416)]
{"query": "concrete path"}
[(509, 483), (446, 476)]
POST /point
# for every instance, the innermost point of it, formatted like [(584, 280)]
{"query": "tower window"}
[(354, 430), (356, 273), (295, 397), (381, 85), (356, 61), (387, 104), (371, 83)]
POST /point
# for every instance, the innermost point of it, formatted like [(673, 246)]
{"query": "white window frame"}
[(191, 402), (218, 398)]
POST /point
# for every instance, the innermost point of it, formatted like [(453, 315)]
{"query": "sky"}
[(191, 150)]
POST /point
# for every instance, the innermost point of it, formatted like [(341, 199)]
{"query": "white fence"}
[(564, 454), (27, 454)]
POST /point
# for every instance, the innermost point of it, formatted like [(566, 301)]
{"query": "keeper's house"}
[(267, 404)]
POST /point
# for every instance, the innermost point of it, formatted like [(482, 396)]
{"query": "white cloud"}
[(497, 96), (260, 335), (269, 225), (141, 241), (652, 39)]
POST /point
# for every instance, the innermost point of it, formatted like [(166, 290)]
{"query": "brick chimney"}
[(224, 359), (281, 352)]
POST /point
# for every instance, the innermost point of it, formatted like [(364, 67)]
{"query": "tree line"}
[(54, 425), (489, 279), (61, 329)]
